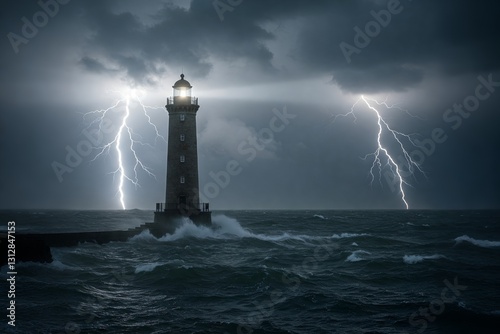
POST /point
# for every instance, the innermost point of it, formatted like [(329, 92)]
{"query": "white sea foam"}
[(354, 257), (146, 267), (189, 229), (412, 259), (230, 226), (143, 236), (480, 243), (348, 235), (226, 228), (320, 217), (354, 244), (55, 264)]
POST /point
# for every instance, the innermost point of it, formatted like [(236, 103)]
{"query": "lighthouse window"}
[(182, 137), (183, 180), (183, 158), (182, 117)]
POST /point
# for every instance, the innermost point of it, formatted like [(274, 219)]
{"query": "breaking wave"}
[(354, 257), (147, 267), (412, 259), (224, 227), (480, 243), (144, 236)]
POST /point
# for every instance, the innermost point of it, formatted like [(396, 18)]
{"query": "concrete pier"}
[(36, 247)]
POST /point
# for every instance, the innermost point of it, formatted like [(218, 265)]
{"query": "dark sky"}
[(250, 60)]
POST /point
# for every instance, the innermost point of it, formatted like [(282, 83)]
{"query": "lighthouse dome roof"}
[(182, 83)]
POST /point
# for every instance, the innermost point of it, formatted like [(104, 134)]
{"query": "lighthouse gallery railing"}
[(202, 207)]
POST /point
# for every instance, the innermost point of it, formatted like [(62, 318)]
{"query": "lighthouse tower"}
[(182, 195)]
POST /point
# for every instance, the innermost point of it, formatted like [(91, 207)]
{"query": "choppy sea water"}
[(265, 272)]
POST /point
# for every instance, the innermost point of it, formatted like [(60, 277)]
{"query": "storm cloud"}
[(247, 59)]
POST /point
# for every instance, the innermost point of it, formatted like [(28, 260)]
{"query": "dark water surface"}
[(265, 272)]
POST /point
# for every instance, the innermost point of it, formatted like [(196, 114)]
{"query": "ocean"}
[(264, 272)]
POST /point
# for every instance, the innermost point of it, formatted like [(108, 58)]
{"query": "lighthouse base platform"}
[(168, 220)]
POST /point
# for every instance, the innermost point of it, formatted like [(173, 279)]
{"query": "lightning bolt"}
[(382, 153), (126, 140)]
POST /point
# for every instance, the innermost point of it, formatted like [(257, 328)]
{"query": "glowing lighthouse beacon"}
[(182, 195)]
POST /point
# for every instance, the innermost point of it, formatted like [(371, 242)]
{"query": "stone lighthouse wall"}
[(182, 173)]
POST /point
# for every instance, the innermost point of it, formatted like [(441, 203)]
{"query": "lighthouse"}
[(182, 188)]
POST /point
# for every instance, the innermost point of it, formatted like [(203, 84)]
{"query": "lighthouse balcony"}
[(182, 100), (183, 207), (168, 216)]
